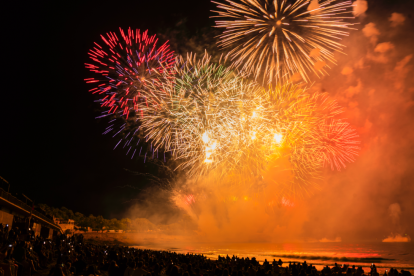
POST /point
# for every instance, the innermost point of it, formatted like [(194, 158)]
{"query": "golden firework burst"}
[(282, 39)]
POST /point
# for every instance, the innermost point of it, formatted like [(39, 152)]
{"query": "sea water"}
[(383, 255)]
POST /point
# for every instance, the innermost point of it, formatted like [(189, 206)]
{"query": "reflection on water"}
[(384, 255)]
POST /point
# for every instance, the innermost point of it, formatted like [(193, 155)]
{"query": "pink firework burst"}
[(123, 63), (338, 144)]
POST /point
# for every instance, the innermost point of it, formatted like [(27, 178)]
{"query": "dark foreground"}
[(74, 256)]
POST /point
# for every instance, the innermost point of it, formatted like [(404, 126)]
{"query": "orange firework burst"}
[(278, 39)]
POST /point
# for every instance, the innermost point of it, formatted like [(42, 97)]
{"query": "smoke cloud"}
[(397, 238), (371, 200), (338, 239), (394, 211), (396, 19), (313, 6), (360, 7), (371, 32)]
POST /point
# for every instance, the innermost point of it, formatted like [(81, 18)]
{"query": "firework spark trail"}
[(281, 39), (177, 98), (337, 144), (198, 112), (124, 63), (216, 123), (281, 153), (301, 129)]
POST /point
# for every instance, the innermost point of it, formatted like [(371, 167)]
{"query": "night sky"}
[(52, 148)]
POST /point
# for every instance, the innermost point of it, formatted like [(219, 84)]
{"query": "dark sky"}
[(52, 149)]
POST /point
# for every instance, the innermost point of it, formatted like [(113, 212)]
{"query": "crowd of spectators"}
[(64, 256), (21, 253)]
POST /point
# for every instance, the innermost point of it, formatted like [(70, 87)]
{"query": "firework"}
[(337, 143), (124, 63), (201, 114), (216, 123), (281, 39), (299, 135), (279, 153)]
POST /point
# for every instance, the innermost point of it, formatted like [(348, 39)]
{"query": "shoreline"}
[(183, 245)]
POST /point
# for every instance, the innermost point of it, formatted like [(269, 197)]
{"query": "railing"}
[(7, 196)]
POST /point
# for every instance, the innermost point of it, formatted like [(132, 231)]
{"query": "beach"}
[(319, 254)]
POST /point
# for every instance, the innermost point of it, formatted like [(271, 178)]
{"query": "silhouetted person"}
[(251, 271), (359, 271), (140, 271), (405, 273), (91, 271), (130, 269)]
